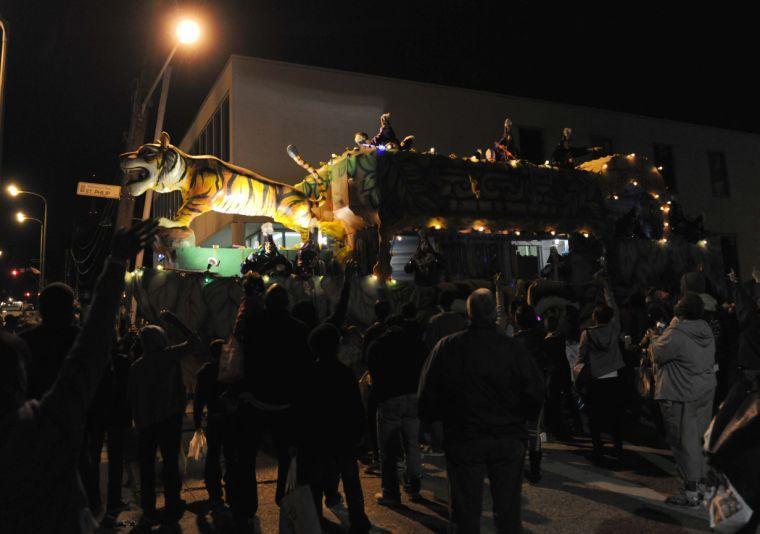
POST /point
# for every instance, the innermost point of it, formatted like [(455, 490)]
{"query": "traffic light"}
[(27, 294), (15, 273)]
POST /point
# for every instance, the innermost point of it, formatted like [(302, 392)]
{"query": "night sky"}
[(71, 65)]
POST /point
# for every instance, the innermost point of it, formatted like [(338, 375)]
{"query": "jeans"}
[(397, 420), (467, 464), (212, 470), (89, 463), (317, 468), (685, 426), (606, 398), (250, 426), (164, 435)]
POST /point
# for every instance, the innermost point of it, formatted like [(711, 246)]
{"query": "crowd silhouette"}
[(482, 388)]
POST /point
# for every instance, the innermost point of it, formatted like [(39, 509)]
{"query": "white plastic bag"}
[(297, 512), (198, 446), (728, 511)]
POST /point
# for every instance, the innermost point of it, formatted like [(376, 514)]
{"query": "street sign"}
[(88, 189)]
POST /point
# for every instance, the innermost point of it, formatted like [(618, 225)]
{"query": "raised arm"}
[(338, 317), (192, 339), (67, 401)]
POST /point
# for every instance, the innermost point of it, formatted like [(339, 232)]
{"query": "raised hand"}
[(733, 278), (128, 242)]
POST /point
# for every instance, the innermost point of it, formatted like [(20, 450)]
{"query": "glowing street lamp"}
[(14, 191), (188, 31), (21, 217)]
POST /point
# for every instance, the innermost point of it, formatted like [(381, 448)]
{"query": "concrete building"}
[(257, 107)]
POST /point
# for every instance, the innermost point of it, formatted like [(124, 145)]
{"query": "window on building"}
[(532, 145), (718, 174), (663, 157), (214, 138), (604, 142), (730, 252)]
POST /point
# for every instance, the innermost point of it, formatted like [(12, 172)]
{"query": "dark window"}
[(532, 145), (718, 174), (663, 160), (730, 253), (604, 142)]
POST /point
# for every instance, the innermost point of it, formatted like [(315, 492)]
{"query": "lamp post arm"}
[(158, 79)]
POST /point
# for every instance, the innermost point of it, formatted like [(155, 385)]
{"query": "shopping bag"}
[(298, 514), (231, 362), (728, 511), (645, 380), (198, 446)]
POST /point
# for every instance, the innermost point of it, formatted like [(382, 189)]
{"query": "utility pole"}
[(135, 138)]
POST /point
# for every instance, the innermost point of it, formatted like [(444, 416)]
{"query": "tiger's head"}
[(158, 166)]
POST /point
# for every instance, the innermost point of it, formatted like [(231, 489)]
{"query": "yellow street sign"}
[(88, 189)]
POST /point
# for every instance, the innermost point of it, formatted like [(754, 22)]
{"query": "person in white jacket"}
[(684, 358)]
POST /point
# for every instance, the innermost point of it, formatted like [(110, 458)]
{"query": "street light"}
[(22, 218), (14, 191), (187, 32)]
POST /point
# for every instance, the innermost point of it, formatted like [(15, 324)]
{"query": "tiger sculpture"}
[(210, 184)]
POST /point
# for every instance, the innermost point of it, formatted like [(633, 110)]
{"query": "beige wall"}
[(274, 104)]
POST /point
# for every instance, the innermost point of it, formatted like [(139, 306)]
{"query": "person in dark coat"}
[(107, 421), (208, 392), (565, 156), (276, 364), (530, 334), (40, 439), (747, 309), (158, 399), (50, 342), (483, 385), (332, 418), (394, 362)]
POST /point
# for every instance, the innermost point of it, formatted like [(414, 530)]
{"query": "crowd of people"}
[(482, 389)]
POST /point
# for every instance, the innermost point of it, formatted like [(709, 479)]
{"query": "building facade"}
[(257, 107)]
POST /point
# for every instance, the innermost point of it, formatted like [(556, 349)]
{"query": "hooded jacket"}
[(156, 390), (684, 357), (600, 348)]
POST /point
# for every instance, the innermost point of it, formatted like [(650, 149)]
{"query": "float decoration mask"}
[(507, 125), (566, 133), (148, 165), (385, 120)]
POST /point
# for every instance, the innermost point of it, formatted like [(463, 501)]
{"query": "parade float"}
[(472, 215)]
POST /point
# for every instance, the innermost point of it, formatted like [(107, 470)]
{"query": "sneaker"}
[(384, 499), (683, 500), (415, 496), (534, 477)]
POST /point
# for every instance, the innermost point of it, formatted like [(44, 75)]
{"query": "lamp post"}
[(187, 32), (22, 218), (14, 192), (3, 56)]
